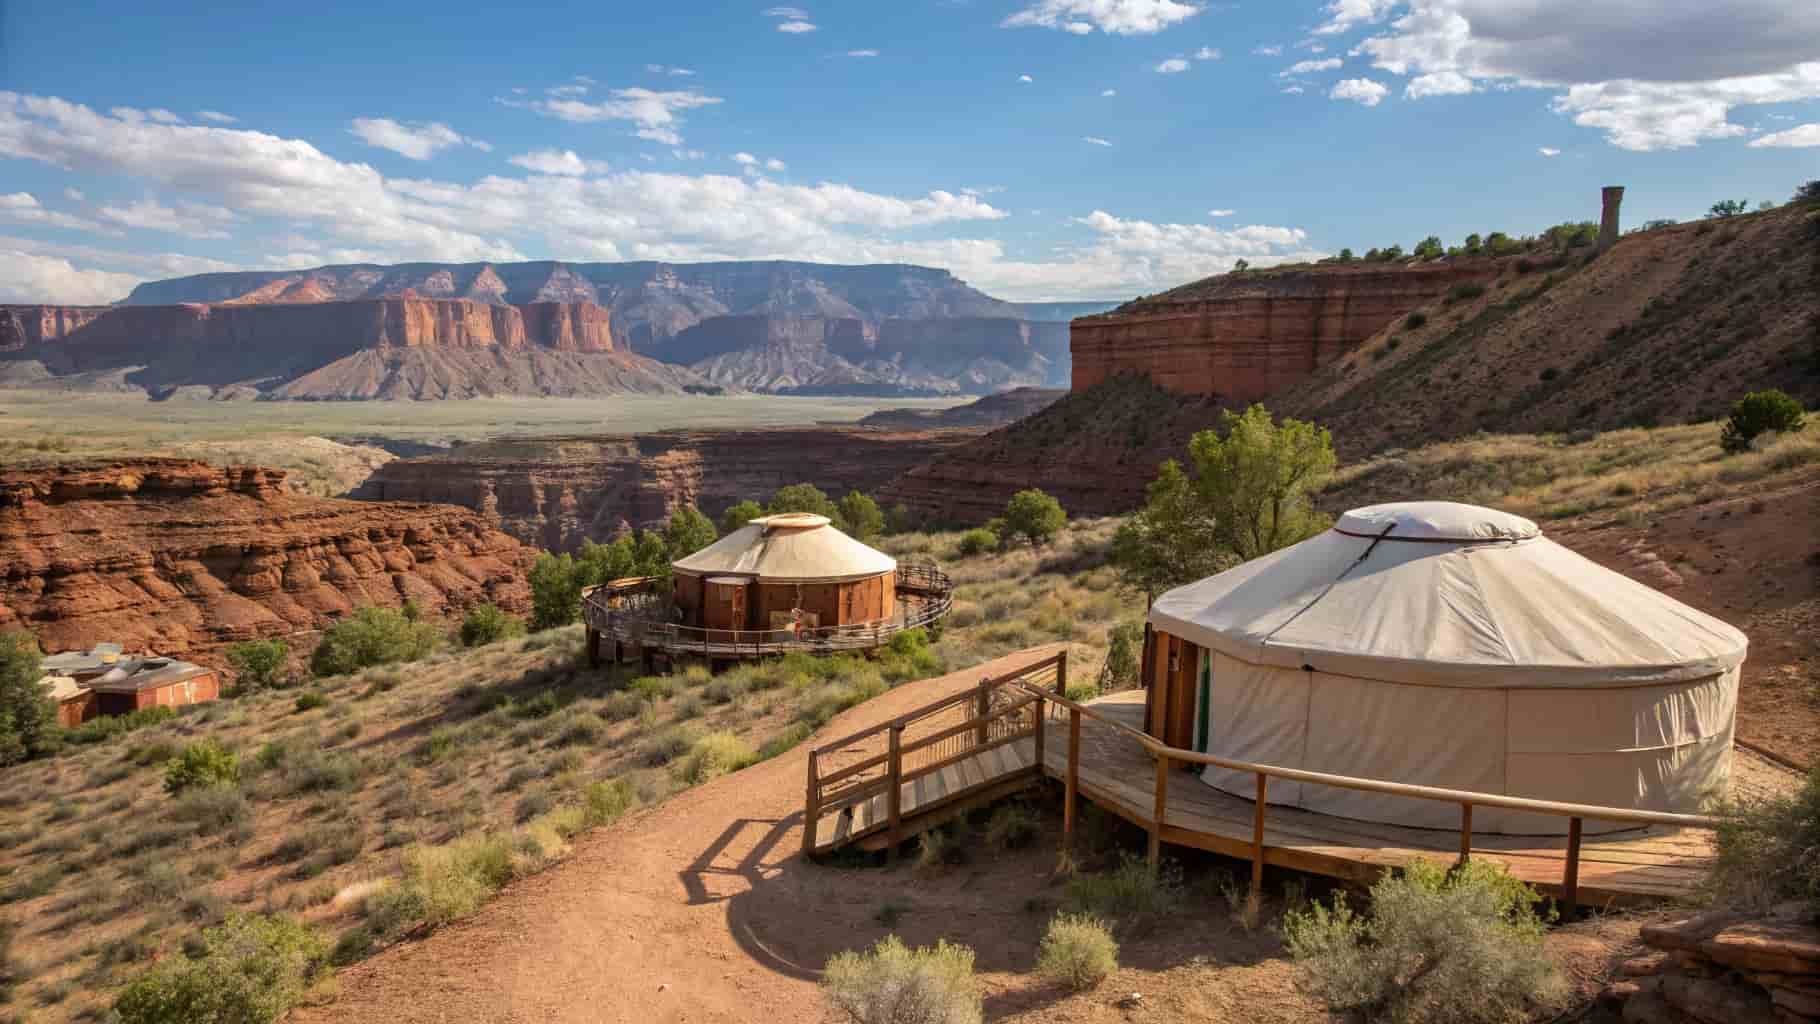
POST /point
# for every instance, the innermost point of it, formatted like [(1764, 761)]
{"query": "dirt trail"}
[(698, 910)]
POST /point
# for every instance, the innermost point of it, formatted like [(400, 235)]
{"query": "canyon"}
[(556, 492), (182, 558)]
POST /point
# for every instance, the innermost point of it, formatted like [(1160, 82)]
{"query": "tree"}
[(1240, 266), (1474, 244), (1757, 413), (650, 555), (1033, 515), (1728, 208), (901, 520), (28, 718), (1346, 256), (1808, 192), (1392, 254), (860, 516), (737, 516), (373, 636), (688, 532), (1500, 244), (1766, 205), (802, 498), (1373, 255), (1255, 481), (1429, 248), (556, 583), (259, 664), (486, 624), (601, 563), (1172, 540)]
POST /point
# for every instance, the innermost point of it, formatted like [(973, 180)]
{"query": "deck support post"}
[(1255, 897), (1465, 832), (1570, 881), (593, 647), (1071, 787), (812, 808), (894, 774), (982, 708), (1042, 728), (1156, 814)]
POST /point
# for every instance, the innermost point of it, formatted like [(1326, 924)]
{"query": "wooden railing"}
[(1167, 756), (883, 758), (630, 611)]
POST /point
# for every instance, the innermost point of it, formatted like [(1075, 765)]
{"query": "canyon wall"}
[(555, 492), (1241, 337), (24, 326), (180, 557)]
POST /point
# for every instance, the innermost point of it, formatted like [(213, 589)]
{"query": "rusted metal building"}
[(106, 681)]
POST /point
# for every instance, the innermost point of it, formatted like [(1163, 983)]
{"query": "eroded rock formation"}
[(1725, 967), (24, 326), (555, 492), (180, 557)]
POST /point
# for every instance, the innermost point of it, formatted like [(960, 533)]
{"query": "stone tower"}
[(1611, 196)]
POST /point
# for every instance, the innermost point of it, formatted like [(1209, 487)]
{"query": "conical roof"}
[(794, 546), (1439, 593)]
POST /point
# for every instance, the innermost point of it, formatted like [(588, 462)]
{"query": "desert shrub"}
[(714, 755), (1011, 827), (978, 541), (250, 970), (823, 702), (259, 664), (212, 809), (1034, 516), (316, 771), (1769, 850), (1131, 890), (106, 727), (205, 763), (1077, 951), (1438, 945), (1757, 413), (485, 624), (793, 734), (533, 804), (1120, 671), (668, 745), (1415, 320), (1467, 290), (310, 700), (371, 636), (895, 984), (580, 728), (28, 718), (451, 881), (608, 801)]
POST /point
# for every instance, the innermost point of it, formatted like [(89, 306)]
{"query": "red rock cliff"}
[(1241, 337), (180, 557), (21, 326)]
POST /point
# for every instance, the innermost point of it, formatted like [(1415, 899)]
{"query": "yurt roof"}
[(795, 546), (1438, 593)]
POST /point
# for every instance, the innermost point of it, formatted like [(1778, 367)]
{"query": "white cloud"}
[(1077, 28), (1172, 66), (74, 195), (1293, 90), (216, 116), (1650, 74), (664, 69), (1025, 78), (774, 164), (192, 220), (1308, 67), (1109, 92), (1344, 15), (415, 141), (654, 112), (796, 27), (24, 208), (1439, 83), (1095, 140), (561, 162), (571, 89), (1548, 151), (1119, 17), (1221, 213), (31, 277), (786, 12), (1800, 136), (745, 158), (862, 53), (1360, 90), (1267, 51), (1207, 53)]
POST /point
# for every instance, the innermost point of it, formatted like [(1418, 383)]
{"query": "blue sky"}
[(1041, 149)]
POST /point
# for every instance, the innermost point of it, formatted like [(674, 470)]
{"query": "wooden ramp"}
[(932, 799)]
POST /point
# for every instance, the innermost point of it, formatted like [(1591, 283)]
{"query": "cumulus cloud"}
[(1095, 140), (1221, 213), (1207, 53), (1025, 78), (862, 53), (655, 112), (563, 162), (1363, 91), (1172, 66), (1267, 51), (1308, 67), (1549, 151), (786, 12), (1650, 74), (24, 208), (664, 69), (216, 116), (1109, 92), (1800, 136), (796, 27), (1293, 90), (1344, 15), (774, 164), (415, 141), (192, 220), (1119, 17), (31, 277)]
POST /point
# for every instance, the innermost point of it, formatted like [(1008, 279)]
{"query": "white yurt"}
[(784, 568), (1447, 645)]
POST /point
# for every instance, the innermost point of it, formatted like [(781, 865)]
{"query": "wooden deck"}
[(932, 799), (1635, 866)]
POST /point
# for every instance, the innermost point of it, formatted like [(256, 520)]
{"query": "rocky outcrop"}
[(556, 492), (180, 557), (1241, 337), (1725, 967), (24, 326), (994, 410)]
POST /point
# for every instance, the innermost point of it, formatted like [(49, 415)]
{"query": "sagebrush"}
[(895, 984), (1078, 951)]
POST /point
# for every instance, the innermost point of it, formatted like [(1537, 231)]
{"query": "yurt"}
[(1446, 645), (786, 571)]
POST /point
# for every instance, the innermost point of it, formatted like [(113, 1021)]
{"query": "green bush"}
[(1012, 827), (1459, 946), (738, 515), (556, 585), (28, 719), (1467, 290), (1415, 320), (259, 664), (1034, 516), (1077, 951), (212, 809), (894, 984), (310, 700), (1123, 648), (714, 755), (608, 801), (486, 624), (371, 636), (1769, 850), (250, 970), (106, 727), (204, 763), (978, 541), (1131, 890), (1757, 413)]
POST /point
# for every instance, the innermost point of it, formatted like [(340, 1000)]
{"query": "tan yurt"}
[(1446, 645), (792, 571)]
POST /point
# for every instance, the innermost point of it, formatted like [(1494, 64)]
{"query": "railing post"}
[(893, 796), (1157, 812), (1072, 786), (1465, 831), (1255, 897), (984, 707), (812, 806), (1061, 673), (1570, 883), (1041, 729)]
